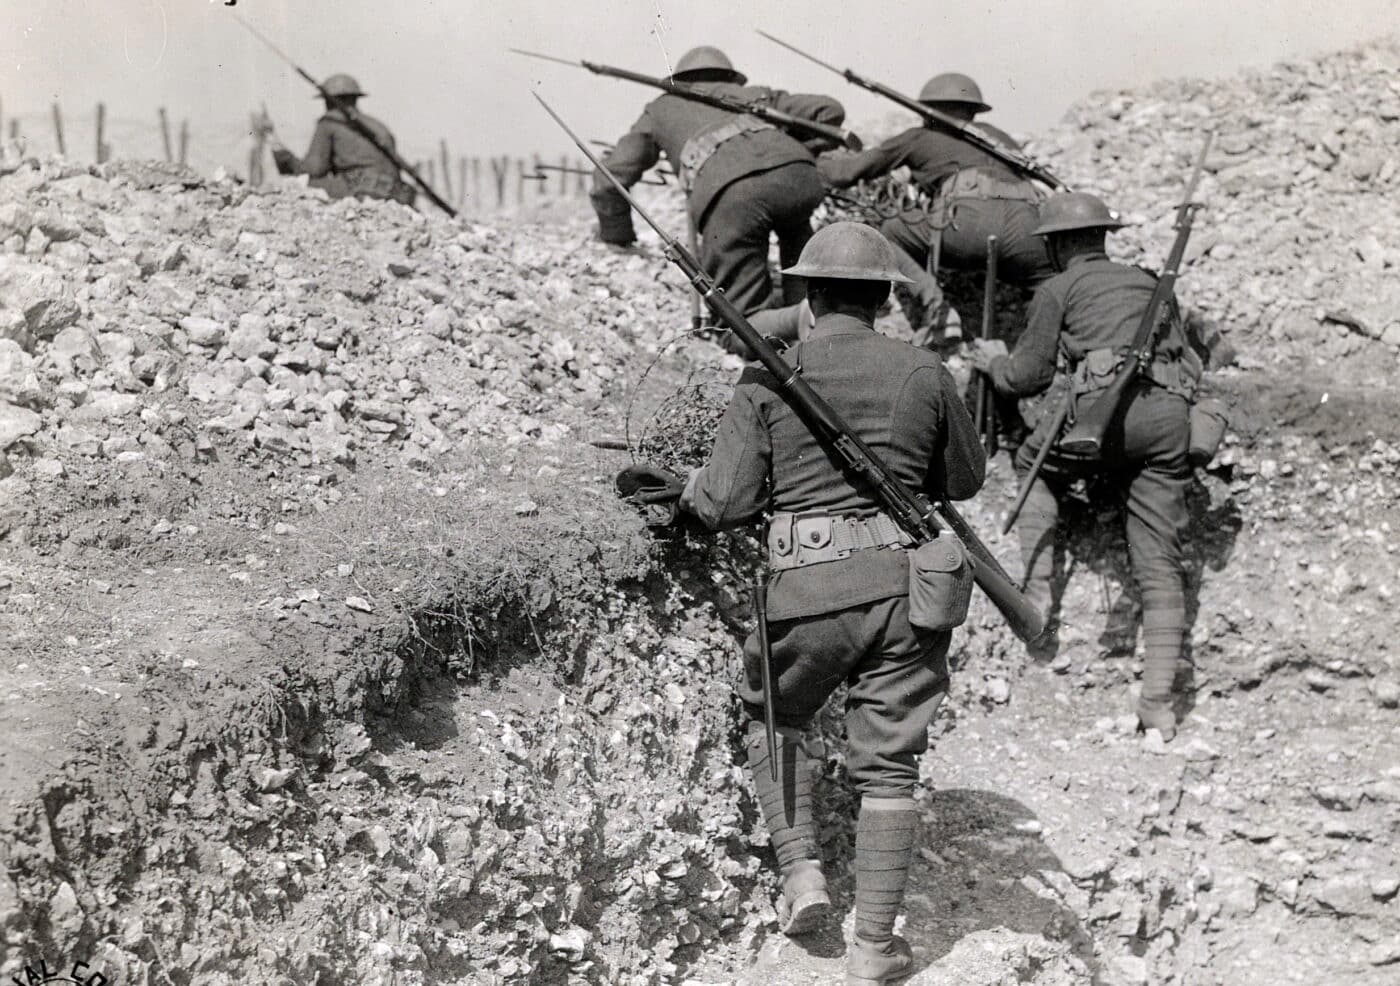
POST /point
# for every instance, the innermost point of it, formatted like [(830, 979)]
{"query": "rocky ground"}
[(332, 658)]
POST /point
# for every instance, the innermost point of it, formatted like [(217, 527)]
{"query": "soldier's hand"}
[(655, 491), (981, 352)]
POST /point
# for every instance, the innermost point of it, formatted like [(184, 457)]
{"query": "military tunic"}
[(344, 162), (1091, 310), (846, 620), (978, 196), (756, 180)]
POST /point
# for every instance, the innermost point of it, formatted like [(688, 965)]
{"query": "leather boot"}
[(805, 901), (877, 963), (786, 805)]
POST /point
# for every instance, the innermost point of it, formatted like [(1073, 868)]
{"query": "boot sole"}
[(806, 913)]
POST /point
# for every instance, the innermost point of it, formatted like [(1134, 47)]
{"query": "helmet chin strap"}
[(1053, 248)]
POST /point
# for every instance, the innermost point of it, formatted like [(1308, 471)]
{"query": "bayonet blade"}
[(798, 51), (544, 58)]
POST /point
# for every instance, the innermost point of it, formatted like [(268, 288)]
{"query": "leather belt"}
[(698, 149), (799, 540)]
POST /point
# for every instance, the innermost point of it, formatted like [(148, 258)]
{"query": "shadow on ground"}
[(980, 866)]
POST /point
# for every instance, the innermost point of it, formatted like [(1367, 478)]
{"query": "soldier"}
[(838, 603), (341, 159), (744, 178), (1090, 313), (974, 196)]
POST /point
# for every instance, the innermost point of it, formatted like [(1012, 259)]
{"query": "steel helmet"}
[(706, 59), (341, 84), (849, 251), (953, 87), (1065, 211)]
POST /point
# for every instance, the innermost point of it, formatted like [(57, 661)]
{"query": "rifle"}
[(913, 513), (696, 94), (353, 118), (1086, 435), (1057, 424), (985, 414), (1022, 164)]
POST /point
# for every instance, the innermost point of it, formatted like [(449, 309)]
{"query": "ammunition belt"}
[(984, 183), (1099, 366), (799, 540), (701, 147)]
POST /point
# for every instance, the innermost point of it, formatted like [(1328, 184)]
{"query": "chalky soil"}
[(331, 657)]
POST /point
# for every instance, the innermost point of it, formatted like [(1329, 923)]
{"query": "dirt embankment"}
[(333, 659)]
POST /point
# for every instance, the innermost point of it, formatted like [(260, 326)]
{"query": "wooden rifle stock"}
[(1086, 436), (914, 514), (985, 413)]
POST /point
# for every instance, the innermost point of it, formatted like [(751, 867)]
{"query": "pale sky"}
[(437, 69)]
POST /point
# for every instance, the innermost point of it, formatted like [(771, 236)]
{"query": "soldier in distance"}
[(341, 159)]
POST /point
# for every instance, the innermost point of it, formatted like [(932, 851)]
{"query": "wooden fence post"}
[(582, 187), (58, 129), (165, 134), (103, 151), (184, 142), (520, 181), (446, 170), (498, 171), (476, 179), (462, 169)]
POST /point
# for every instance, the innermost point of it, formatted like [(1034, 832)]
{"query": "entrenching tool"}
[(1086, 435), (700, 94), (985, 413), (1022, 164), (914, 514), (759, 588), (354, 120)]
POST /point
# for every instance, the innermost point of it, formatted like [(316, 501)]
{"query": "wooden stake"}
[(184, 142), (446, 170), (498, 171), (102, 148), (462, 169), (432, 178), (58, 129), (582, 187), (165, 134), (519, 181)]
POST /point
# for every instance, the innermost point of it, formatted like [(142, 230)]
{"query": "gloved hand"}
[(981, 352), (656, 491), (617, 229)]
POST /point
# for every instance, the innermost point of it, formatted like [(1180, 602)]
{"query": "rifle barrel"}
[(798, 51), (544, 58)]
